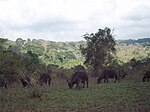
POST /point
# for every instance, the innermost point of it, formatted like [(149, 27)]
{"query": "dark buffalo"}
[(25, 80), (45, 79), (122, 74), (108, 74), (78, 77), (3, 83), (146, 76)]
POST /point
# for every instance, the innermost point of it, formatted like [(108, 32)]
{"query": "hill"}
[(144, 41), (68, 54)]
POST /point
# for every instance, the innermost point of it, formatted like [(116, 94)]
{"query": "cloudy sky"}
[(68, 20)]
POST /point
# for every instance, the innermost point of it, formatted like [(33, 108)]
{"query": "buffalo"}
[(25, 80), (45, 79), (108, 74), (122, 74), (3, 83), (146, 76), (78, 77)]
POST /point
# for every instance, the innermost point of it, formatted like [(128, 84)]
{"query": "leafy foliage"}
[(99, 48), (35, 55)]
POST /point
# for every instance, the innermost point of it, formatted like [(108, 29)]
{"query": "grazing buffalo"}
[(122, 74), (108, 74), (25, 80), (146, 76), (78, 77), (45, 78), (3, 83)]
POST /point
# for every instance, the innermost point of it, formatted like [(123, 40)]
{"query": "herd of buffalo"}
[(80, 76)]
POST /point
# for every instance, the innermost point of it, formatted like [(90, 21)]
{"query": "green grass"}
[(129, 96)]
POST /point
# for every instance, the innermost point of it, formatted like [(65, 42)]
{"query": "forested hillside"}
[(68, 54), (36, 55), (144, 41)]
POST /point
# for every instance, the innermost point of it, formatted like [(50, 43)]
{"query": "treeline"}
[(15, 62), (37, 55), (33, 57), (68, 54), (143, 41)]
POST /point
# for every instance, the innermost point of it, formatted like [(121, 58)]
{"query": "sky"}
[(69, 20)]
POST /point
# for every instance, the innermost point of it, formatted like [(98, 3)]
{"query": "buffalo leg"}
[(87, 83), (107, 80), (49, 82), (119, 79), (115, 79), (104, 80), (77, 86), (5, 85), (83, 84)]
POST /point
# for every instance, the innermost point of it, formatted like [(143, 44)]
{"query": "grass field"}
[(126, 96)]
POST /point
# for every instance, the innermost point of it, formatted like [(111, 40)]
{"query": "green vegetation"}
[(33, 57), (126, 53), (68, 54), (112, 97), (100, 47)]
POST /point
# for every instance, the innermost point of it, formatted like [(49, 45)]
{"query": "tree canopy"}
[(99, 48)]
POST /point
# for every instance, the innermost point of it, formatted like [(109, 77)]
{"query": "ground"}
[(126, 96)]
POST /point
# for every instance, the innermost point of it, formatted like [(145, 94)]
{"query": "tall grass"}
[(127, 96)]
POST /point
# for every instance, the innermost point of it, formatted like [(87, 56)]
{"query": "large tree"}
[(99, 49)]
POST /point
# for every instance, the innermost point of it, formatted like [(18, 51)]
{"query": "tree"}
[(31, 61), (20, 42), (10, 61), (98, 49), (2, 43)]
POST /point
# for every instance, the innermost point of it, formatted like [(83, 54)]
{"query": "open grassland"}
[(126, 96)]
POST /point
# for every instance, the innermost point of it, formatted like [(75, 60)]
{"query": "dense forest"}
[(27, 55)]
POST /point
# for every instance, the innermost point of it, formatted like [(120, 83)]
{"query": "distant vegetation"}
[(25, 54), (68, 54), (144, 41)]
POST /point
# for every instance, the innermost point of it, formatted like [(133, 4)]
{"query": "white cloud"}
[(68, 20)]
